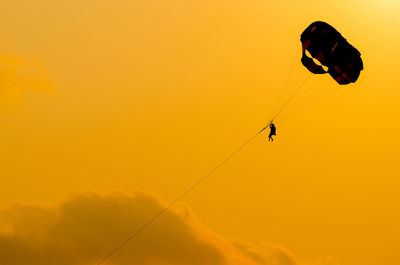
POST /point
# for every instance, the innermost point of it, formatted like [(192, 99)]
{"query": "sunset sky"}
[(109, 105)]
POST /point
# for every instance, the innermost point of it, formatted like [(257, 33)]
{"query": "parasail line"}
[(305, 106), (290, 76), (187, 191), (291, 97)]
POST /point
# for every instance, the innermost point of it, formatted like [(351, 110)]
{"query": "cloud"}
[(83, 228), (19, 74)]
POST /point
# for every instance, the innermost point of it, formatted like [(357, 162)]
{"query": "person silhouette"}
[(272, 131)]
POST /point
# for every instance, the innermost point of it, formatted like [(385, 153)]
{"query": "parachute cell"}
[(326, 45)]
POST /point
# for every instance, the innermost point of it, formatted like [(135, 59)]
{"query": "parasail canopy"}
[(328, 47)]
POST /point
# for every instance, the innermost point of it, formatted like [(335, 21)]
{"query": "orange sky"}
[(149, 95)]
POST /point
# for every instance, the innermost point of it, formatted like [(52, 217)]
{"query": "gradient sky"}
[(149, 95)]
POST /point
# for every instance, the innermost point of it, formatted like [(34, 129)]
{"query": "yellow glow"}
[(315, 60), (389, 4)]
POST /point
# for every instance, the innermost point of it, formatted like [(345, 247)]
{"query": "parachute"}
[(326, 45), (324, 50)]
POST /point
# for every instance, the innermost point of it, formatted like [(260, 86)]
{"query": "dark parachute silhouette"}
[(328, 46)]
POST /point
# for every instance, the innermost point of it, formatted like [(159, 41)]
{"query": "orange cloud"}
[(83, 228)]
